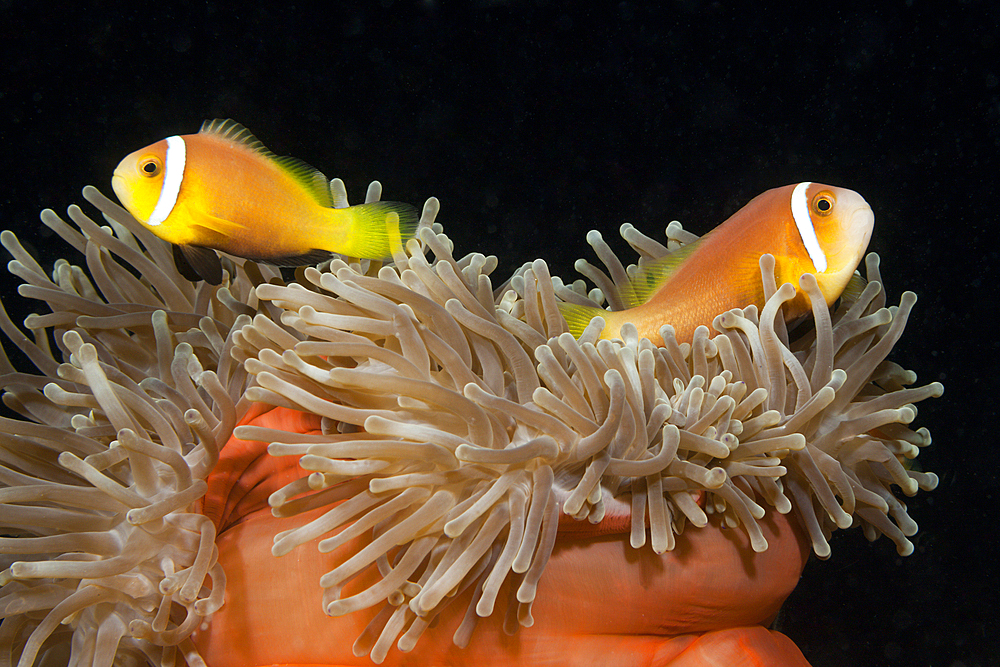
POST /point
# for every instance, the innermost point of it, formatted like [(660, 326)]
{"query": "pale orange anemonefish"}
[(807, 228), (221, 189)]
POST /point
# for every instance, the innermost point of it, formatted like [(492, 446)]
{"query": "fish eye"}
[(150, 167), (823, 203)]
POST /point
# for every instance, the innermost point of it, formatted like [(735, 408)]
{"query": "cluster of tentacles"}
[(461, 422)]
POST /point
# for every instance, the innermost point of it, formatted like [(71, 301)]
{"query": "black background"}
[(534, 122)]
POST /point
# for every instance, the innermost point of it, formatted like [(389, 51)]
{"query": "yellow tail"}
[(375, 229), (578, 317)]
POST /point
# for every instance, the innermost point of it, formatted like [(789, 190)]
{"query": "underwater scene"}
[(520, 333)]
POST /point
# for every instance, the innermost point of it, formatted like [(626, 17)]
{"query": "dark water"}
[(534, 123)]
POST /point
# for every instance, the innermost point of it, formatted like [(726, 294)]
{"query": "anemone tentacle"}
[(463, 428)]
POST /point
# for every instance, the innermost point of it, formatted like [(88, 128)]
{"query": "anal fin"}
[(310, 258)]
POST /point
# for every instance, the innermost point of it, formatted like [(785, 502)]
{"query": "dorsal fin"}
[(230, 130), (308, 177), (653, 275)]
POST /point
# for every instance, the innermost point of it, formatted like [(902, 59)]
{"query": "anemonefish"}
[(808, 228), (221, 189)]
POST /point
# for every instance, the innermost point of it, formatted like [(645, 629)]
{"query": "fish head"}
[(835, 225), (138, 180)]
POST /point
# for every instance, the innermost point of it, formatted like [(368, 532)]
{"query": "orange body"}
[(722, 270), (230, 198), (221, 189)]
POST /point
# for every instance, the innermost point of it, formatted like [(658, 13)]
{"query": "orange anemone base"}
[(600, 602)]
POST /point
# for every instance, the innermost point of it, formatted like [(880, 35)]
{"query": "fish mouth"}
[(119, 185), (852, 242), (860, 227), (857, 232)]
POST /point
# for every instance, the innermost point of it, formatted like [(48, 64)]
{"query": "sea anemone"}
[(452, 433)]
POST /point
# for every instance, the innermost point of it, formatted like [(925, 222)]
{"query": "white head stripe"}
[(173, 174), (804, 223)]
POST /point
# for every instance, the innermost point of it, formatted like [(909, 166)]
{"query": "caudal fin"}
[(578, 317), (377, 228)]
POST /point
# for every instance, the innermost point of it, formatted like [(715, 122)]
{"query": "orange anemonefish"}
[(808, 228), (221, 189)]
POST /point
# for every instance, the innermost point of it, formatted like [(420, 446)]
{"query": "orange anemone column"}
[(600, 602)]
